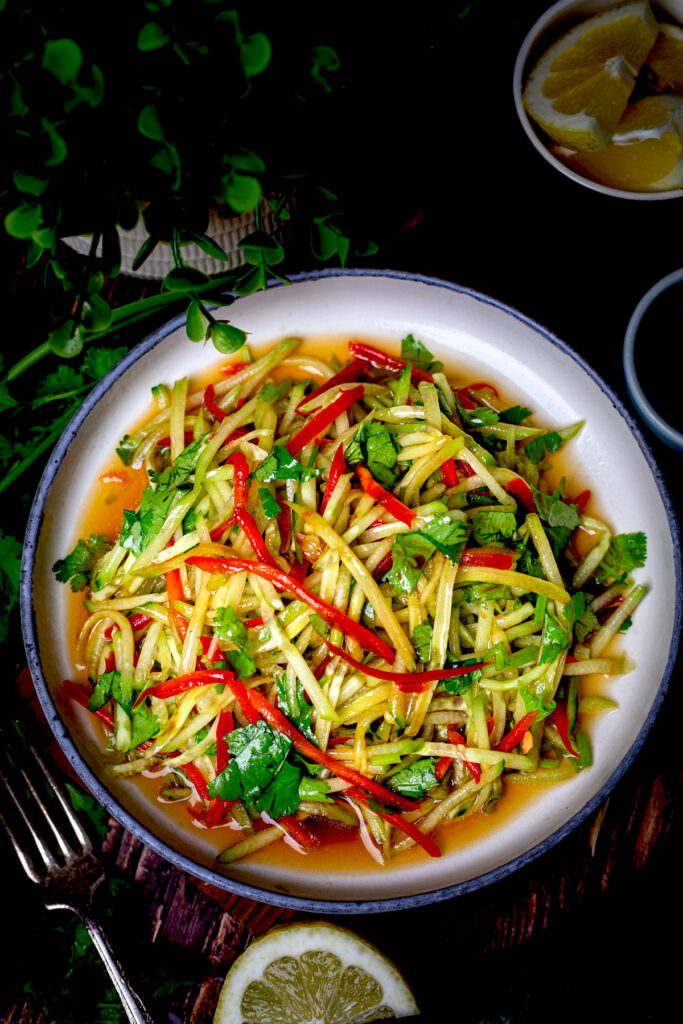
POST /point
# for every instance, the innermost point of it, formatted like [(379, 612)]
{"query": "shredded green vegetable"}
[(353, 599)]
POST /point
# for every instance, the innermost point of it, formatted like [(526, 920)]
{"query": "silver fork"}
[(69, 879)]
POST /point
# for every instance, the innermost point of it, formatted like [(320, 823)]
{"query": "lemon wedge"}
[(666, 57), (312, 972), (581, 86), (646, 152)]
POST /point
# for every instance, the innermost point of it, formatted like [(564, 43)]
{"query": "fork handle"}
[(135, 1011)]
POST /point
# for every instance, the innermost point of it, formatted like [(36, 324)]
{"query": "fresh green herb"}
[(271, 392), (415, 780), (411, 550), (110, 686), (482, 416), (183, 466), (415, 352), (493, 527), (561, 517), (139, 528), (126, 448), (515, 414), (230, 629), (580, 616), (373, 445), (627, 551), (314, 789), (461, 684), (299, 712), (534, 702), (269, 503), (555, 639), (421, 640), (544, 444), (280, 465), (257, 756), (76, 569)]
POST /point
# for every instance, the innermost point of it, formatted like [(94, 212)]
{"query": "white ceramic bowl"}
[(464, 329), (550, 26)]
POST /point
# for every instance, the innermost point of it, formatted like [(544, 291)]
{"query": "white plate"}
[(464, 329)]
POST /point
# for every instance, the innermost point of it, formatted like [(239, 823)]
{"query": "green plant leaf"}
[(149, 124), (255, 53), (152, 37), (196, 322), (24, 220), (184, 279), (227, 338), (145, 250), (97, 313), (243, 193), (63, 58), (67, 340), (29, 183)]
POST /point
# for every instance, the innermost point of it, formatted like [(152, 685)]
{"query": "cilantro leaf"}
[(580, 616), (281, 796), (414, 780), (269, 503), (64, 378), (230, 629), (460, 684), (482, 416), (314, 789), (145, 725), (422, 641), (446, 534), (417, 353), (627, 551), (271, 392), (493, 526), (77, 567), (126, 448), (544, 444), (515, 414), (374, 445), (411, 550), (97, 362), (141, 527), (280, 465), (562, 518), (182, 468), (554, 640), (257, 753), (532, 702)]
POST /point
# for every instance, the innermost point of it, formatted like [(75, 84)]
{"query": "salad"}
[(351, 601)]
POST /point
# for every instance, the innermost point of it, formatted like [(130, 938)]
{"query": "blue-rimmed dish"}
[(466, 330)]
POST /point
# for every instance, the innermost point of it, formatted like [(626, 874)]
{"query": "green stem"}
[(25, 363), (37, 402)]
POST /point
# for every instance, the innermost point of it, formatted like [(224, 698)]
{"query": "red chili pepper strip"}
[(253, 623), (490, 559), (441, 767), (384, 566), (345, 376), (515, 735), (278, 721), (231, 368), (78, 694), (284, 523), (110, 662), (395, 507), (241, 695), (299, 570), (449, 473), (559, 717), (457, 740), (319, 672), (139, 621), (197, 779), (240, 432), (464, 468), (521, 490), (172, 687), (399, 822), (298, 831), (240, 468), (322, 419), (209, 402), (219, 530), (581, 500), (383, 361), (408, 682), (333, 616), (224, 726), (174, 589), (336, 469)]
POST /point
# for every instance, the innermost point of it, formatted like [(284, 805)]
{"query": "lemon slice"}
[(312, 973), (666, 57), (579, 89), (646, 152)]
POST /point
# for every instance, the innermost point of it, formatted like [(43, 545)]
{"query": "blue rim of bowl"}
[(215, 878), (664, 431)]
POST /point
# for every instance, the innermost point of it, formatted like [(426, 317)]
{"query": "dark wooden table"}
[(587, 931)]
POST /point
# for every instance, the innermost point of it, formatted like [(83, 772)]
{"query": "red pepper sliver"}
[(299, 570), (384, 566), (309, 750), (449, 473), (345, 376), (299, 831), (464, 468), (284, 522), (319, 672), (399, 822), (337, 468), (197, 779), (172, 687), (322, 419), (408, 682), (209, 402), (490, 559), (253, 623), (333, 616), (514, 737), (219, 530), (457, 740), (231, 368), (521, 490), (387, 500), (384, 361), (139, 621), (245, 519), (559, 717)]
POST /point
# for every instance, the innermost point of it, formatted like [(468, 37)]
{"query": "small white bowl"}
[(664, 431), (546, 30)]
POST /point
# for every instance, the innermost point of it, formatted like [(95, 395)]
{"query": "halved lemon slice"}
[(666, 57), (312, 972), (579, 89), (646, 152)]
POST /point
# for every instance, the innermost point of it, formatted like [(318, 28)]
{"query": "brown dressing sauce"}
[(119, 487)]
